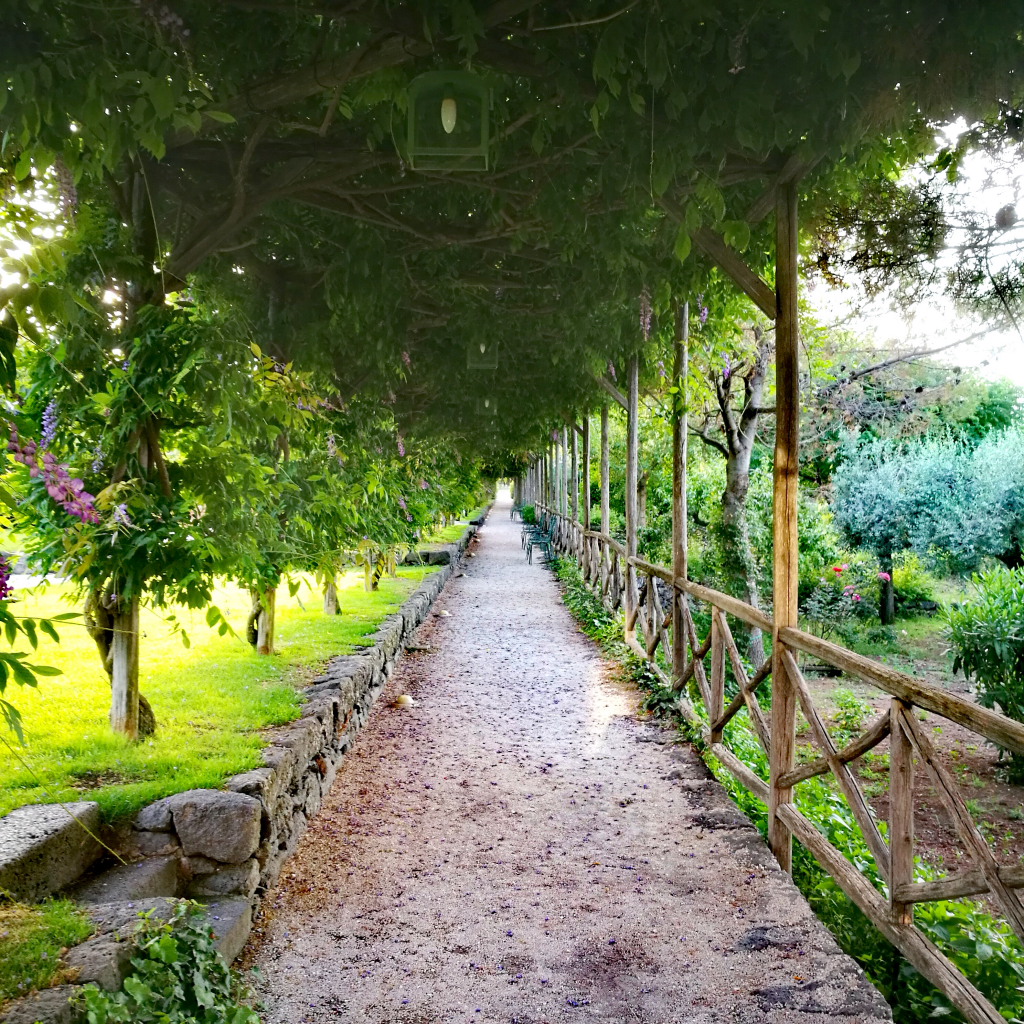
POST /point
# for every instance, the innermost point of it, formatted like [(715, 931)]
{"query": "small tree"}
[(987, 638)]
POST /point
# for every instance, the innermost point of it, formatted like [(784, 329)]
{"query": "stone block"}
[(156, 844), (231, 919), (221, 826), (45, 847), (121, 919), (260, 783), (198, 866), (156, 817), (104, 961), (303, 737), (51, 1006), (228, 880), (145, 879)]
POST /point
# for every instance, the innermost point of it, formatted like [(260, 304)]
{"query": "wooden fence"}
[(630, 584)]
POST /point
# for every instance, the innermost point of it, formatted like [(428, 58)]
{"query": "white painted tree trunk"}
[(265, 622), (124, 678), (331, 598)]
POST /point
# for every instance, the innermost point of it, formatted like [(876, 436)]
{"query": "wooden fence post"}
[(901, 812), (606, 514), (585, 496), (632, 469), (574, 476), (563, 482), (786, 478), (680, 531)]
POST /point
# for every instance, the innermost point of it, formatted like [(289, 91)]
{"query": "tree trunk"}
[(641, 500), (124, 670), (116, 635), (331, 598), (265, 622), (740, 429), (738, 554), (887, 596), (260, 627)]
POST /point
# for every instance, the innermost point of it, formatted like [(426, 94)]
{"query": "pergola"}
[(629, 139)]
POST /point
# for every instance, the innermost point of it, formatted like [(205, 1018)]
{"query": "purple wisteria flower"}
[(424, 486), (67, 491), (646, 313), (97, 457), (611, 370), (401, 445), (49, 431), (402, 505), (121, 516), (407, 359), (332, 446), (6, 590)]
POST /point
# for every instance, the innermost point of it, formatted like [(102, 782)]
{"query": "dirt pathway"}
[(518, 847)]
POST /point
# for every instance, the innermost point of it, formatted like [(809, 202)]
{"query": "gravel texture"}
[(519, 847)]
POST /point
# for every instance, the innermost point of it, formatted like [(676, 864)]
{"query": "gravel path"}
[(519, 847)]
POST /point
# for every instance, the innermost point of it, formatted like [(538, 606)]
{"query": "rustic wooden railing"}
[(630, 585)]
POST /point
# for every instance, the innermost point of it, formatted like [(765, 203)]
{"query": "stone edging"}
[(227, 847)]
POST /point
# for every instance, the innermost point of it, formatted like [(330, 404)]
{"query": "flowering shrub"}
[(845, 592)]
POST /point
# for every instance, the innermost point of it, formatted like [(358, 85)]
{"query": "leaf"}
[(736, 233), (683, 244), (222, 116)]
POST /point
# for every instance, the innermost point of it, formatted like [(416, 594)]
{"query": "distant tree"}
[(943, 498)]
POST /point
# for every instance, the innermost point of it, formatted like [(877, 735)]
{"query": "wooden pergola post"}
[(786, 563), (585, 496), (563, 481), (632, 472), (574, 475), (680, 532), (606, 506)]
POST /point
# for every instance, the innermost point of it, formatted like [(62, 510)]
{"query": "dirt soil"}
[(520, 847)]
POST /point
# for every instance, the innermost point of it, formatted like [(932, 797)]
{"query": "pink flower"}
[(845, 566), (885, 576), (857, 597)]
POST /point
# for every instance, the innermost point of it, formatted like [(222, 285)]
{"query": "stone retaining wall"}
[(227, 847), (235, 842)]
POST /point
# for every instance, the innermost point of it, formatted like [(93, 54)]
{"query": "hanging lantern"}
[(482, 355), (449, 122), (486, 407)]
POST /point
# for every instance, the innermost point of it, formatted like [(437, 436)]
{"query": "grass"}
[(31, 942), (445, 534), (210, 699)]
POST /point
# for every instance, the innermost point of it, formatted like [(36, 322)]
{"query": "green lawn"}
[(211, 699), (445, 534), (31, 942)]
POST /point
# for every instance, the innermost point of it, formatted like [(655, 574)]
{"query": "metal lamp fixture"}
[(449, 122)]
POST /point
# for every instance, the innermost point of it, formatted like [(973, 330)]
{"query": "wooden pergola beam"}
[(792, 170), (612, 390), (750, 283)]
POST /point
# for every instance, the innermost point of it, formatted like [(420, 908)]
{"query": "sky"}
[(986, 186)]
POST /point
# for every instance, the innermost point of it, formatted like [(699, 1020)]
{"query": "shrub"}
[(845, 593), (850, 715), (529, 514), (178, 977), (987, 637), (912, 580)]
